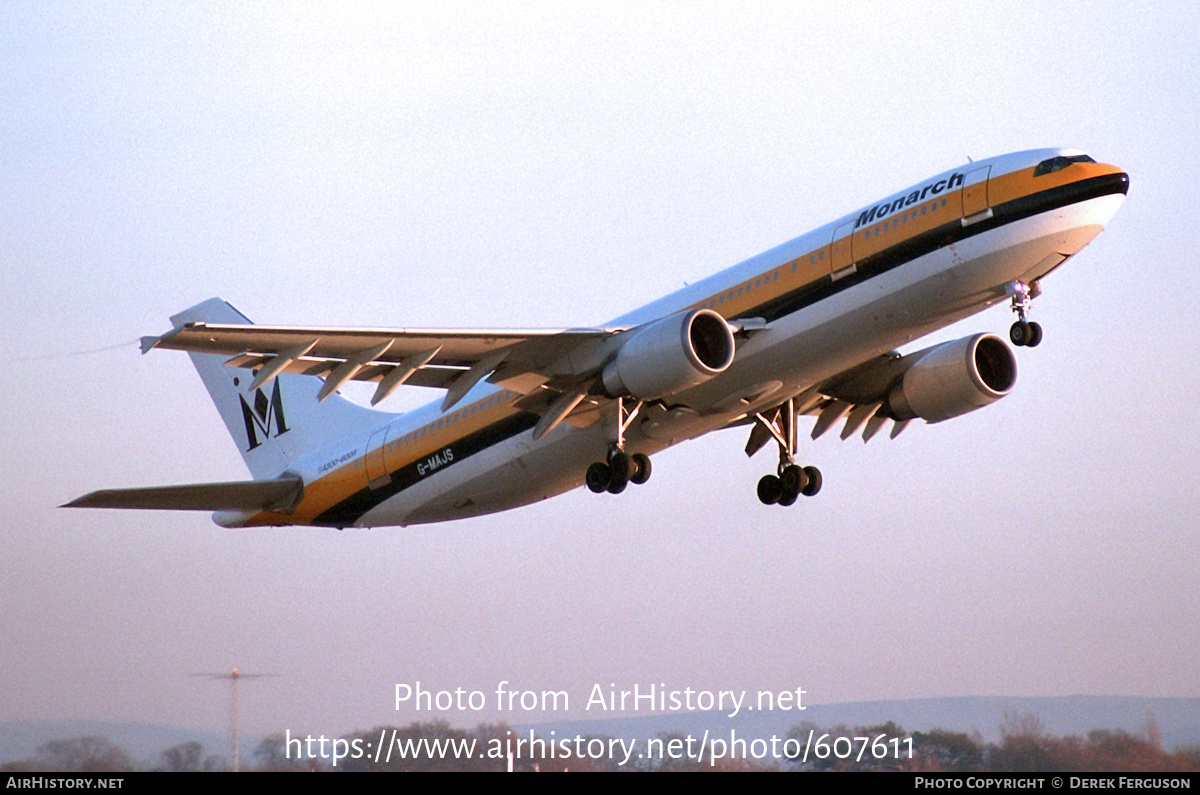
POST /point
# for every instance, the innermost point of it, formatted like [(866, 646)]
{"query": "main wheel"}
[(792, 479), (597, 477), (618, 467), (1035, 335), (1020, 333), (814, 482), (769, 489), (641, 468), (788, 497)]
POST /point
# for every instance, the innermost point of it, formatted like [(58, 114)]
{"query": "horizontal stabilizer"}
[(247, 495)]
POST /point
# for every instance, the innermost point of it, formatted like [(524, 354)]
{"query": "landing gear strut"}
[(620, 468), (1023, 332), (791, 480)]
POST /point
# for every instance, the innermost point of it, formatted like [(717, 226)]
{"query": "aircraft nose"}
[(1122, 180)]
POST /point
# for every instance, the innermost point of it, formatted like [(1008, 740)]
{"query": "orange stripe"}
[(327, 491)]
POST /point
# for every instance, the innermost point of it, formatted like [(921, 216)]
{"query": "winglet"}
[(149, 343)]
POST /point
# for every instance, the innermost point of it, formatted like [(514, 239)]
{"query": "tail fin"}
[(281, 421)]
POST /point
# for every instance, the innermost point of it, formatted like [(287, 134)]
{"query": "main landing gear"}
[(791, 480), (1023, 332), (620, 468)]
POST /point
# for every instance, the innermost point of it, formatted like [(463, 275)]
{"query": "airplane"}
[(809, 328)]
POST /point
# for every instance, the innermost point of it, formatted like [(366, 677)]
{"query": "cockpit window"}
[(1059, 163)]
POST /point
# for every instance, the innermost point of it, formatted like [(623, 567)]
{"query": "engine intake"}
[(955, 378), (670, 355)]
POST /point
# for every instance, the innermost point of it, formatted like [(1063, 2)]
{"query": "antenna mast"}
[(235, 676)]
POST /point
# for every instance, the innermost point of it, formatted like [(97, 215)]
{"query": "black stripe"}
[(351, 509), (927, 242)]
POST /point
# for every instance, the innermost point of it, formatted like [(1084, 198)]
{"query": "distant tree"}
[(272, 754), (1188, 757), (842, 748), (83, 755), (1118, 750), (184, 758), (433, 746), (947, 751), (1024, 746)]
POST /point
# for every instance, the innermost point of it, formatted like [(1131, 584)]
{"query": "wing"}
[(859, 395), (557, 370), (523, 360), (935, 384)]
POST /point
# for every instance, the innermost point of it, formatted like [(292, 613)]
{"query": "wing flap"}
[(435, 376), (249, 495)]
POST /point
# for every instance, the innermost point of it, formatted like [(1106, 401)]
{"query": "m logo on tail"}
[(262, 415)]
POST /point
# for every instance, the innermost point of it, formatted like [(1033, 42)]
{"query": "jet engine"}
[(954, 378), (670, 355)]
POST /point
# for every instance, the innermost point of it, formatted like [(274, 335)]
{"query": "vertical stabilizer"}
[(281, 421)]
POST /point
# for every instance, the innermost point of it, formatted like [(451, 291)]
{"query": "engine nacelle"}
[(670, 355), (955, 378)]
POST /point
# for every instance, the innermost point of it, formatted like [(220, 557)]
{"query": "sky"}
[(528, 165)]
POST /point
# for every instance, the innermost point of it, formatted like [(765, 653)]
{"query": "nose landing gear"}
[(1023, 332)]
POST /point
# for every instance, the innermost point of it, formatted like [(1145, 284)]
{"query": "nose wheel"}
[(1024, 333), (791, 480)]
